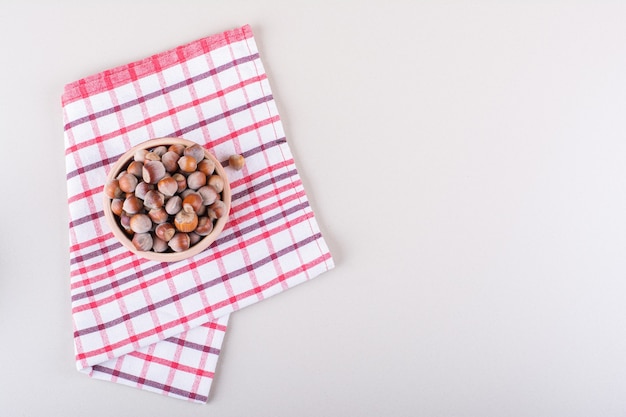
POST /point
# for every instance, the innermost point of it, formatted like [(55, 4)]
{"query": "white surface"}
[(490, 138)]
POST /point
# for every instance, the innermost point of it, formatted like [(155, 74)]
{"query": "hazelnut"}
[(117, 205), (153, 171), (153, 199), (216, 182), (142, 241), (125, 222), (236, 162), (120, 174), (196, 180), (112, 189), (206, 166), (142, 189), (170, 161), (140, 223), (168, 186), (180, 242), (165, 231), (196, 151), (194, 238), (181, 180), (132, 205), (194, 200), (159, 245), (174, 205), (187, 164), (204, 227), (158, 215), (208, 194), (177, 148), (186, 220), (140, 155), (160, 150), (151, 156), (128, 182), (218, 208), (135, 168), (186, 192)]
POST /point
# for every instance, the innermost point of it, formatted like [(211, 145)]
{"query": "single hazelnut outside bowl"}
[(150, 244)]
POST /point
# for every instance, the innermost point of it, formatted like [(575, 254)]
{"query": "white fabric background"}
[(466, 166)]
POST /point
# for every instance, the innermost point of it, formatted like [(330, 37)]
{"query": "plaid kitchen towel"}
[(160, 326)]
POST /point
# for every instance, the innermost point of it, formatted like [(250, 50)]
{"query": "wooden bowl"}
[(169, 256)]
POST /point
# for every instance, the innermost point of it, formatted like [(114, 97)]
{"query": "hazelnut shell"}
[(180, 242)]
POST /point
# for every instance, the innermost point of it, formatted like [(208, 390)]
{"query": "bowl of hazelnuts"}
[(167, 199)]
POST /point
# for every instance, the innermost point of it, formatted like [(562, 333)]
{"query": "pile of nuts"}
[(167, 199)]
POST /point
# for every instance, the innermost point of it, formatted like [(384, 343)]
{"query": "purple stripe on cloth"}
[(153, 384), (221, 240), (88, 218), (111, 160), (236, 196), (95, 253), (89, 167), (259, 186), (202, 287), (260, 148), (157, 93), (224, 114), (195, 346), (184, 130)]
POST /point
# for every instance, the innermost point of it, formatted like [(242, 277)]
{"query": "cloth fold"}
[(160, 326)]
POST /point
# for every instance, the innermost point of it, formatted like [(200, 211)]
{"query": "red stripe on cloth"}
[(91, 242), (122, 74), (214, 325), (203, 360), (236, 207), (206, 312), (244, 130), (113, 284), (142, 98), (172, 110), (257, 207), (150, 383), (231, 127), (103, 326), (279, 279), (85, 194), (228, 236), (281, 201), (214, 255), (172, 364)]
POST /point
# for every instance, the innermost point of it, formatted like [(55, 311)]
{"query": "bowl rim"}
[(199, 247)]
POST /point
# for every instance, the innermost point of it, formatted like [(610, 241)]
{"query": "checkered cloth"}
[(160, 326)]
